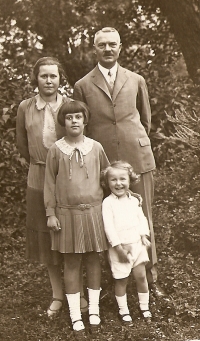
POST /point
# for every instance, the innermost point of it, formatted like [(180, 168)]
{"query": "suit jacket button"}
[(114, 122)]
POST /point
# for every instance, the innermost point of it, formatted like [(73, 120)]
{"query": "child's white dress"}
[(124, 223), (73, 193)]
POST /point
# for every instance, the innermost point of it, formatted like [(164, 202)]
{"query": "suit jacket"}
[(121, 123)]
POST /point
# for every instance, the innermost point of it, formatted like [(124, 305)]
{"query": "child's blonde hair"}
[(120, 165)]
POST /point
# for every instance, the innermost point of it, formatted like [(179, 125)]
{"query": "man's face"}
[(107, 46)]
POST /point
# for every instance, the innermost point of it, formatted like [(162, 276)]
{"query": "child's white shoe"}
[(146, 315)]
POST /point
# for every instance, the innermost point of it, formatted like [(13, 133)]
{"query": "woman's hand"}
[(53, 223), (145, 241), (122, 254)]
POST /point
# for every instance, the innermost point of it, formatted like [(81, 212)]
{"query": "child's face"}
[(74, 124), (118, 181)]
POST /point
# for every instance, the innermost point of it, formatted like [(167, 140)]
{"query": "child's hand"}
[(130, 258), (146, 241), (122, 254), (53, 223)]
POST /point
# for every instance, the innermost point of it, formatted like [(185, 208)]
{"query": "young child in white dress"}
[(127, 231), (73, 200)]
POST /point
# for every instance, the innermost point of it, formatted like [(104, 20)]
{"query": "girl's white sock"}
[(93, 296), (122, 304), (143, 300), (75, 311)]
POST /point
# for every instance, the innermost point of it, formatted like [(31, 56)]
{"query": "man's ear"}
[(94, 50)]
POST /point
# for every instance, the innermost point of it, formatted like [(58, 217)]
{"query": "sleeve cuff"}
[(115, 242), (50, 211)]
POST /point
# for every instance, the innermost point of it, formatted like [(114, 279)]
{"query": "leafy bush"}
[(177, 127), (13, 169)]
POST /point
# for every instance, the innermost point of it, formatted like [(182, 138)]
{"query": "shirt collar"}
[(116, 197), (104, 70), (40, 103)]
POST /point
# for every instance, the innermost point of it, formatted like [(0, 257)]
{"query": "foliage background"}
[(65, 29)]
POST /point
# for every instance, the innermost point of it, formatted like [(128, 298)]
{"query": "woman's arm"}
[(50, 182), (21, 132)]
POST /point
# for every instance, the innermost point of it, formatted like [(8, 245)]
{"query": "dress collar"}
[(84, 148), (40, 103), (78, 152)]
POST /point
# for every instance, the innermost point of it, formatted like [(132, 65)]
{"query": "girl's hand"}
[(146, 241), (53, 223), (122, 254)]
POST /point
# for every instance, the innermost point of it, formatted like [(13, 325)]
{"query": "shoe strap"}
[(126, 315), (56, 299), (81, 325)]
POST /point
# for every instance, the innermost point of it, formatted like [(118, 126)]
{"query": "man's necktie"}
[(110, 80)]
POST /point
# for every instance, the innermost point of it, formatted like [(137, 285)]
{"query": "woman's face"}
[(74, 124), (48, 80)]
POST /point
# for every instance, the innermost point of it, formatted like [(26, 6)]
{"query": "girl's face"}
[(118, 181), (74, 124)]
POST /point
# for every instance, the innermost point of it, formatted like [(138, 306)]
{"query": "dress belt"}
[(80, 207)]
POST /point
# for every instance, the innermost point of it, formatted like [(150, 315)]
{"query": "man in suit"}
[(121, 120)]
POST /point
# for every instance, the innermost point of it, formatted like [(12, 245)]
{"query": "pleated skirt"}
[(81, 231)]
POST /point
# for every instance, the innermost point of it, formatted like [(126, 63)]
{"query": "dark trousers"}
[(145, 187)]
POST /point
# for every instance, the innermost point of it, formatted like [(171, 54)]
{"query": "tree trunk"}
[(184, 19)]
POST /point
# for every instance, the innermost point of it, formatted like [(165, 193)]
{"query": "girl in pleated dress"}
[(73, 199)]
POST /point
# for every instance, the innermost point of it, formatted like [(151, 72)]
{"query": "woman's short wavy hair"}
[(46, 61), (72, 107), (134, 178)]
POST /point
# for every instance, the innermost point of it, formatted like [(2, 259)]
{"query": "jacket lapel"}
[(98, 80), (121, 79)]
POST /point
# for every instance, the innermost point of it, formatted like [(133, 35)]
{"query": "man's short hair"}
[(105, 30)]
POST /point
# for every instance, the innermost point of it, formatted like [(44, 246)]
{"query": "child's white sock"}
[(143, 300), (93, 296), (123, 306), (75, 311)]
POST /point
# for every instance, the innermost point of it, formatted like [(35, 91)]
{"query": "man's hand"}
[(53, 223)]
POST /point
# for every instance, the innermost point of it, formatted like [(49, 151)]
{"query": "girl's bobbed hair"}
[(72, 107), (46, 61), (134, 178)]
